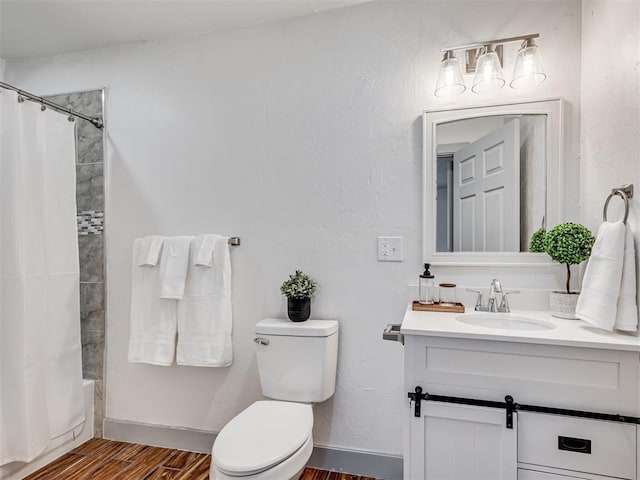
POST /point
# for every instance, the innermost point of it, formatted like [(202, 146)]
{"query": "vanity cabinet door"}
[(460, 442)]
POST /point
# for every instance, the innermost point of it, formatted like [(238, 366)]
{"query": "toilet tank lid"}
[(310, 328)]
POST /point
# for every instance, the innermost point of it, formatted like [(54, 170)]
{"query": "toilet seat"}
[(289, 469), (261, 437)]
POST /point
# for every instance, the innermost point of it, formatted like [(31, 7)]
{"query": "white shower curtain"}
[(40, 351)]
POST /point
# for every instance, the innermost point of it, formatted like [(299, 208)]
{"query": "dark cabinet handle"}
[(570, 444)]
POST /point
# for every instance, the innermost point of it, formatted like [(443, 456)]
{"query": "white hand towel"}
[(173, 267), (150, 250), (598, 301), (204, 314), (152, 336), (627, 317), (203, 245)]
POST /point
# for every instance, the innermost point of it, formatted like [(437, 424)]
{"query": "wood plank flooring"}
[(100, 459)]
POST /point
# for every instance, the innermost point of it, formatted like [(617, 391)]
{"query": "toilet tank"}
[(297, 360)]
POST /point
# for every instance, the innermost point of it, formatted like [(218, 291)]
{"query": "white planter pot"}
[(563, 304)]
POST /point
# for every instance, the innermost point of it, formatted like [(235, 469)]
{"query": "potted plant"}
[(568, 243), (299, 289)]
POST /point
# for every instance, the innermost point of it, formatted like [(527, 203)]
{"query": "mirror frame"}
[(554, 110)]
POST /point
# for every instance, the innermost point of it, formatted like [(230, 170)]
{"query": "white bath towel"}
[(152, 336), (203, 246), (150, 250), (627, 317), (204, 314), (173, 267), (598, 300)]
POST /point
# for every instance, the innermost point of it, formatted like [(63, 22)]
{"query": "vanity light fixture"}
[(485, 59)]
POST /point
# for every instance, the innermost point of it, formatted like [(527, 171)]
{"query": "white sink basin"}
[(504, 321)]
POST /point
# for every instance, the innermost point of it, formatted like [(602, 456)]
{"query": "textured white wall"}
[(610, 132), (304, 138)]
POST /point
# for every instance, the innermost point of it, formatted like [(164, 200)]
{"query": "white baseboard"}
[(159, 435)]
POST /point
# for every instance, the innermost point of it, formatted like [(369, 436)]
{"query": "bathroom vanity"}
[(571, 386), (504, 396)]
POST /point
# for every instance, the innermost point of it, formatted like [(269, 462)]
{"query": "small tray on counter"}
[(436, 307)]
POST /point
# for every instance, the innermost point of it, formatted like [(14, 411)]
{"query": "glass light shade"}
[(450, 80), (528, 70), (489, 76)]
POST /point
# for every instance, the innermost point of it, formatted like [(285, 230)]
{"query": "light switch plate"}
[(389, 249)]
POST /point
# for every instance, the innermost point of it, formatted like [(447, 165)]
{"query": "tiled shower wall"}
[(90, 202)]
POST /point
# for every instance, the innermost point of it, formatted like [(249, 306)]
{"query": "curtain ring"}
[(624, 197)]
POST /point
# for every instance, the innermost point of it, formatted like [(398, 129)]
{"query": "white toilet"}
[(272, 439)]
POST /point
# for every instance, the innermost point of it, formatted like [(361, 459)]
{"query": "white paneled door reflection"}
[(486, 194)]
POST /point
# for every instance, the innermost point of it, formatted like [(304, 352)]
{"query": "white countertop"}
[(572, 333)]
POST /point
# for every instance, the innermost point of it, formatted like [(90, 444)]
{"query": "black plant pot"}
[(299, 309)]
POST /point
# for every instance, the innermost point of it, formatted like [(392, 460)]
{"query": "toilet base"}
[(289, 469)]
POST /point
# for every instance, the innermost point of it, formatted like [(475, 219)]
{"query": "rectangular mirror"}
[(492, 177)]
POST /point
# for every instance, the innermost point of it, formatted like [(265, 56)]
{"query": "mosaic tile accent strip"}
[(90, 222)]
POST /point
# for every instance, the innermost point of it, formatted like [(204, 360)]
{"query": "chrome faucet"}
[(495, 287), (492, 304)]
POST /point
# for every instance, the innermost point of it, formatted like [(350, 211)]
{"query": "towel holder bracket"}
[(627, 189), (234, 241), (625, 192)]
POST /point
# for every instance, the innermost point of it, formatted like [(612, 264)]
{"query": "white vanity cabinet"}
[(450, 441)]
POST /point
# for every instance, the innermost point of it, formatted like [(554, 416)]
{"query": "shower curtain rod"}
[(97, 122)]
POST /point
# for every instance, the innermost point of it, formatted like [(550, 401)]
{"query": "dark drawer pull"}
[(570, 444)]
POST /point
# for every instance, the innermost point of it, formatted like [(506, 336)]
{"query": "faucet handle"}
[(504, 305), (479, 305)]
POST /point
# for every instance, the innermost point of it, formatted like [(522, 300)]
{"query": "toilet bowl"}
[(270, 440)]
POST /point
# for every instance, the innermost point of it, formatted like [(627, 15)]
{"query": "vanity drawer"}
[(526, 474), (546, 375), (583, 445)]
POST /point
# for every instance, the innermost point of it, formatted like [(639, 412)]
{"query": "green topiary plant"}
[(568, 243), (299, 285), (537, 240)]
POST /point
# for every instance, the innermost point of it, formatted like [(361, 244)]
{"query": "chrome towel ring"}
[(625, 192)]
